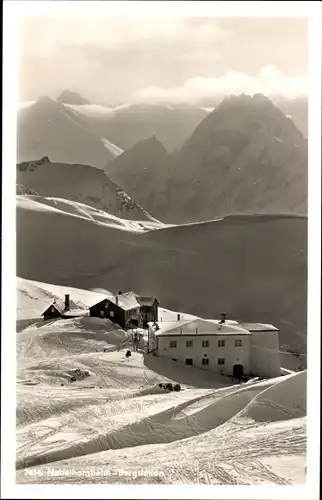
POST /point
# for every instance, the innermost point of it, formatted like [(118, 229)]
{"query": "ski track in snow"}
[(118, 418)]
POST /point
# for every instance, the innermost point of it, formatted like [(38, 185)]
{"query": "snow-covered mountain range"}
[(246, 156)]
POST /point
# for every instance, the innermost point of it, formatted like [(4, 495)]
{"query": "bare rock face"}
[(22, 190), (31, 165)]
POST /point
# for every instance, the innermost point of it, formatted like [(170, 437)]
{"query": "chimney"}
[(67, 301), (117, 300), (120, 292), (223, 318), (178, 317), (196, 331), (180, 331)]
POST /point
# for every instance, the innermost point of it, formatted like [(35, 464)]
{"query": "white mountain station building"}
[(228, 347)]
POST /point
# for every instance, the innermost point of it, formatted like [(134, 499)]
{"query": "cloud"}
[(269, 81), (211, 31), (200, 56), (121, 59), (44, 35)]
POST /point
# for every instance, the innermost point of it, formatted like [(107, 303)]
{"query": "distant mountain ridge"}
[(141, 169), (70, 97), (245, 157), (50, 128), (295, 108), (172, 125)]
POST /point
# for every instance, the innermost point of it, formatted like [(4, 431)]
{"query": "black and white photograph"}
[(165, 329)]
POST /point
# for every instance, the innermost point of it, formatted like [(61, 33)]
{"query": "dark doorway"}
[(188, 361), (238, 371)]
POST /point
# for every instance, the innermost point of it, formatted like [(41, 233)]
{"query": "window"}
[(189, 361), (189, 343), (221, 361), (102, 314), (221, 343), (205, 361), (205, 343), (173, 344), (106, 305), (112, 314), (52, 309), (238, 343)]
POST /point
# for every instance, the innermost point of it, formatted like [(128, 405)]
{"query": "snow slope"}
[(117, 422), (115, 150), (33, 297), (79, 183), (198, 268), (83, 211)]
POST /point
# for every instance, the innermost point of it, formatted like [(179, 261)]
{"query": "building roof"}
[(145, 301), (60, 306), (199, 327), (126, 300), (74, 313), (259, 327), (130, 300)]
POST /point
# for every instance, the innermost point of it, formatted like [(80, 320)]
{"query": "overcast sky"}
[(124, 60)]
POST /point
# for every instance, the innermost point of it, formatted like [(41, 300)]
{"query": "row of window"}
[(205, 361), (111, 313), (204, 343)]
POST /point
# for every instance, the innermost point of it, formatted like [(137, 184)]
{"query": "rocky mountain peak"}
[(70, 97)]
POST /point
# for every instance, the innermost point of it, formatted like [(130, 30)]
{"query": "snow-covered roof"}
[(146, 301), (258, 327), (126, 300), (60, 305), (199, 327), (74, 313), (131, 300)]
